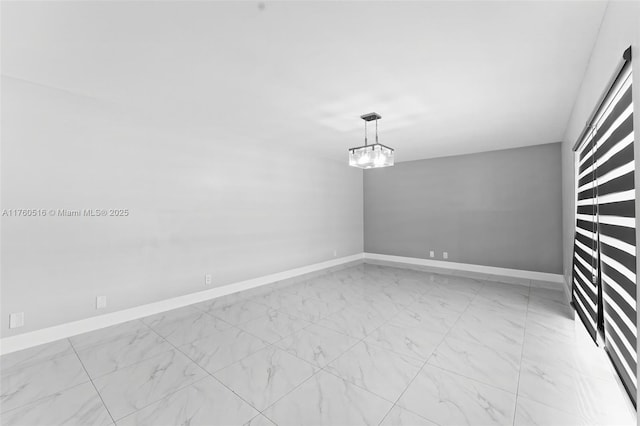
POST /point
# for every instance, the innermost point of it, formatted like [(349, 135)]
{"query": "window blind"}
[(615, 195), (604, 266), (585, 252)]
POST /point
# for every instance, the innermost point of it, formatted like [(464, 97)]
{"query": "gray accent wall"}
[(500, 208)]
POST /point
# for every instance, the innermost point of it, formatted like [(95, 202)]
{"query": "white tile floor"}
[(364, 345)]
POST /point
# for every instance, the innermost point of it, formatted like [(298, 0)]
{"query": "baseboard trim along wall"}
[(515, 276), (62, 331), (566, 288)]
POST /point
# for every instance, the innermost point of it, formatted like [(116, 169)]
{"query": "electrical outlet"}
[(432, 253), (207, 279), (445, 255), (101, 302), (16, 320), (335, 253)]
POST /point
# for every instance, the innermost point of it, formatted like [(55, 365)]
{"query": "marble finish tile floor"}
[(364, 345)]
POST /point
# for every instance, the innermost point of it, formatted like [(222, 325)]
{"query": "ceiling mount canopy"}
[(374, 155)]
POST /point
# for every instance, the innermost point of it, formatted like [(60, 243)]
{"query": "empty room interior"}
[(319, 213)]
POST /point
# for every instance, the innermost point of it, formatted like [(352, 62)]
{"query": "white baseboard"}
[(566, 289), (62, 331), (480, 269)]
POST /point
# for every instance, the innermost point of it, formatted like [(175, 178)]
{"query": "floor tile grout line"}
[(452, 373), (323, 368), (230, 326), (92, 384), (207, 374), (307, 361), (383, 347), (36, 361), (107, 340), (75, 352), (546, 405), (356, 385), (463, 375), (349, 335), (445, 370), (267, 344), (442, 341), (524, 333), (211, 314), (147, 358), (395, 403), (139, 361), (452, 326), (158, 400), (42, 398), (180, 388), (561, 409), (240, 324), (186, 316), (319, 369), (280, 337), (288, 393)]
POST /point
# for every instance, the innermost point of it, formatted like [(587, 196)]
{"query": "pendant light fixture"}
[(371, 156)]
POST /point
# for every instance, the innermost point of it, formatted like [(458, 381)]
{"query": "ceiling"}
[(447, 77)]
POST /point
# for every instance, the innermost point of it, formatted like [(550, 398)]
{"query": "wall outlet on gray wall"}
[(207, 279), (432, 253), (445, 255)]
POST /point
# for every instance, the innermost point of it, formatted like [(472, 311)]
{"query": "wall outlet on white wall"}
[(16, 320), (445, 255), (207, 279), (432, 253), (101, 302), (335, 253)]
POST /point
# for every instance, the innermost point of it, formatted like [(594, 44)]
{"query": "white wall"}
[(231, 207), (620, 28)]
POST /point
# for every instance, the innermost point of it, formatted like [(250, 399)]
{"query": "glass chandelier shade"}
[(371, 156), (374, 155)]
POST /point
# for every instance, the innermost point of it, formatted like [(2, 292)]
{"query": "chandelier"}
[(374, 155)]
